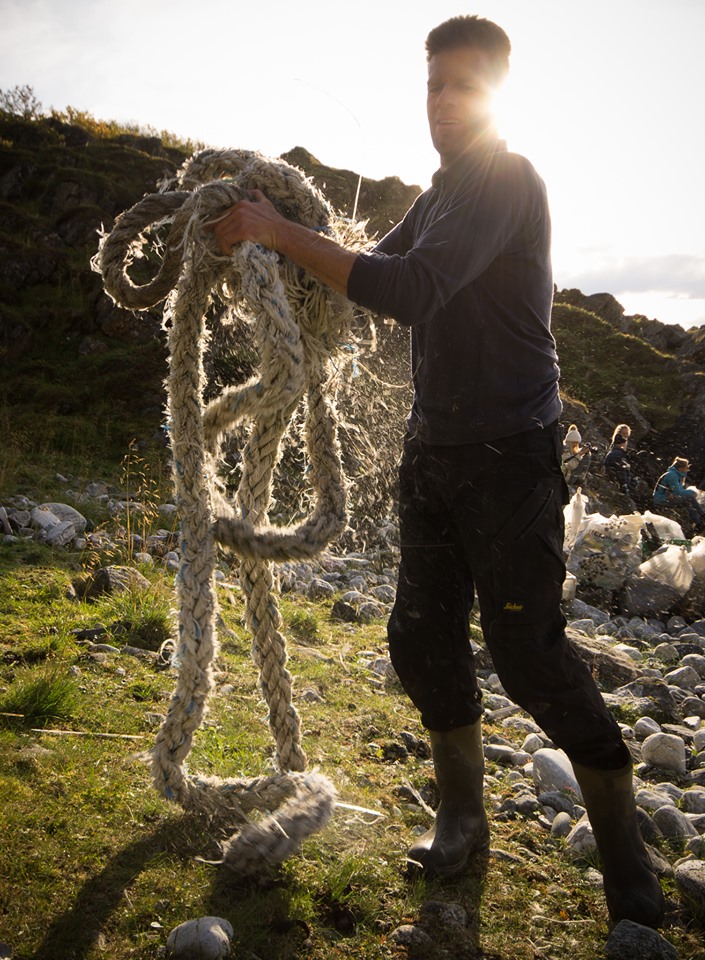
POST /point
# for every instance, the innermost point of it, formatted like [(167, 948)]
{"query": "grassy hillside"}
[(81, 379), (599, 366)]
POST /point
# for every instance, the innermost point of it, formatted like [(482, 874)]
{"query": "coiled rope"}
[(298, 325)]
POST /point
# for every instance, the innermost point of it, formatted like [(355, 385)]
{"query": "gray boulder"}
[(631, 941), (690, 880), (552, 771)]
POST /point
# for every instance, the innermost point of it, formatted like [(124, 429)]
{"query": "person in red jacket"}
[(481, 490)]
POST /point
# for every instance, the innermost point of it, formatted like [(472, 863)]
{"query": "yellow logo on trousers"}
[(512, 607)]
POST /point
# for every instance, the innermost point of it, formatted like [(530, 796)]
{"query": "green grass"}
[(588, 347), (96, 862), (40, 697)]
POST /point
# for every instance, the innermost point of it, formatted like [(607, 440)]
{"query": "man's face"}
[(459, 101)]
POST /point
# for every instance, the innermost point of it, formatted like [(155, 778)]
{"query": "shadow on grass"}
[(452, 940), (76, 933), (263, 907)]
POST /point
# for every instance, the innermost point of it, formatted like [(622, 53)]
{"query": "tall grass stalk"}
[(42, 696)]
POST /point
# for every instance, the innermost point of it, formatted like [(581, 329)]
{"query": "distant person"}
[(481, 490), (670, 492), (616, 463), (576, 457)]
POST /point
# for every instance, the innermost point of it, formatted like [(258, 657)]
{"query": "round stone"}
[(553, 771), (644, 727), (690, 880), (664, 750), (207, 937), (672, 823)]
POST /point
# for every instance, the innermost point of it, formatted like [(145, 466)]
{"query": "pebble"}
[(644, 727), (696, 847), (672, 823), (311, 696), (664, 750), (370, 611), (318, 588), (553, 771), (632, 941), (499, 753), (207, 938), (690, 880), (384, 593), (532, 743), (670, 790), (696, 661), (587, 611), (526, 804), (684, 677), (526, 725), (649, 799), (632, 652), (444, 915), (666, 652), (559, 801), (382, 667), (693, 800), (695, 706), (411, 936), (562, 825), (580, 841)]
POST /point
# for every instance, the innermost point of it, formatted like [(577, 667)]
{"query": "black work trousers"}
[(485, 520)]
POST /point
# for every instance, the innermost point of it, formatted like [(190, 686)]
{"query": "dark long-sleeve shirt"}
[(468, 270)]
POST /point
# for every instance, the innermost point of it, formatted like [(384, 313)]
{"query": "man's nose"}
[(446, 95)]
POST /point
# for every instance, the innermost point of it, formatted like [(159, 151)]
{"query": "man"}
[(481, 489)]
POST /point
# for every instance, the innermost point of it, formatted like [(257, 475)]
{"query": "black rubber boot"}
[(460, 828), (632, 889)]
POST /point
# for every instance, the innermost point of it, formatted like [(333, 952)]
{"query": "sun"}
[(513, 118)]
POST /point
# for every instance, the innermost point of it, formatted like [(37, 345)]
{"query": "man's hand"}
[(256, 220)]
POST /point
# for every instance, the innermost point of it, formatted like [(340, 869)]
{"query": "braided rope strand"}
[(298, 324)]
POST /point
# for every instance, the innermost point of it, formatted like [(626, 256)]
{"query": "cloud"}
[(681, 276)]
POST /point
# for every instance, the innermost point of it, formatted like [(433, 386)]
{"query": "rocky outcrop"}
[(60, 183)]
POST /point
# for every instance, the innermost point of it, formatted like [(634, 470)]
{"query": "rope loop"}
[(298, 325)]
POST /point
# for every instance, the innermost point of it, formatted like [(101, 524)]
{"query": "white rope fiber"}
[(298, 325)]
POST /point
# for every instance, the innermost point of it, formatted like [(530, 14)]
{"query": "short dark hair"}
[(472, 31)]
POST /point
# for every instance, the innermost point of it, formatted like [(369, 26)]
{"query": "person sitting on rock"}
[(670, 492), (576, 457), (616, 462)]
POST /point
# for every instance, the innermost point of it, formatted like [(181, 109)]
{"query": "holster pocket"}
[(527, 558)]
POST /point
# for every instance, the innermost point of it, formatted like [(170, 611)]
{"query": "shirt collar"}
[(473, 158)]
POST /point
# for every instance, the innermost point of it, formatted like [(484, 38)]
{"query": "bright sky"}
[(604, 97)]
